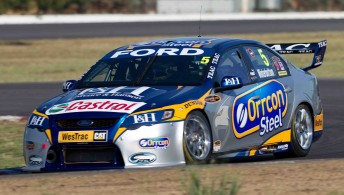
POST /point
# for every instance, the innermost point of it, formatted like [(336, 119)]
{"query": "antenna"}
[(200, 19)]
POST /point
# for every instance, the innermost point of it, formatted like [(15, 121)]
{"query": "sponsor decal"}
[(30, 145), (212, 99), (100, 136), (319, 122), (36, 120), (276, 66), (322, 44), (211, 72), (275, 59), (282, 73), (264, 114), (94, 105), (252, 72), (154, 143), (193, 103), (142, 158), (144, 118), (300, 47), (217, 145), (57, 108), (281, 65), (128, 92), (167, 115), (35, 160), (265, 73), (283, 147), (216, 58), (230, 81), (176, 43), (251, 52), (67, 85), (318, 60), (82, 136), (159, 52)]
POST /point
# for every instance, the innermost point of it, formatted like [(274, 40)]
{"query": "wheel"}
[(197, 138), (301, 133)]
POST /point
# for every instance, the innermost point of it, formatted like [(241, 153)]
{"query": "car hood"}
[(119, 100)]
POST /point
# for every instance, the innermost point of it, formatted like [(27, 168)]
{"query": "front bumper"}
[(147, 146)]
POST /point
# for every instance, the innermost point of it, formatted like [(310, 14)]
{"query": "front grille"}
[(94, 154), (97, 123)]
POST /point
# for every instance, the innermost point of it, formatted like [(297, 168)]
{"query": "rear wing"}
[(303, 48)]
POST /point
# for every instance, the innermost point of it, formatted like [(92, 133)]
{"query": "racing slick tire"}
[(301, 133), (197, 139)]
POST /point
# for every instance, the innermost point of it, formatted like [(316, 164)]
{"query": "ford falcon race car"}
[(176, 101)]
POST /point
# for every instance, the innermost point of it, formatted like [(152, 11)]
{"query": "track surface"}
[(43, 31), (21, 99)]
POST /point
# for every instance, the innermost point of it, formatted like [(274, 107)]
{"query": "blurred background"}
[(46, 42), (20, 7)]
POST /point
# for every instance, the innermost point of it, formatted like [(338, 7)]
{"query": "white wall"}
[(193, 6)]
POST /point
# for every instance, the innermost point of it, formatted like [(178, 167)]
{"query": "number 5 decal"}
[(205, 60), (264, 58)]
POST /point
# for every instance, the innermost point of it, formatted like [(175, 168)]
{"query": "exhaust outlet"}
[(51, 156)]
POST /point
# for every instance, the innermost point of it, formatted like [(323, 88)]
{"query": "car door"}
[(230, 122), (275, 96)]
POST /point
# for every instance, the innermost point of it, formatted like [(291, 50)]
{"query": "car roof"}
[(204, 42)]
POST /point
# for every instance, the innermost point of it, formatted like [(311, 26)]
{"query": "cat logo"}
[(100, 136)]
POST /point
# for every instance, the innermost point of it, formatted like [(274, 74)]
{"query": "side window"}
[(280, 66), (261, 62), (232, 64)]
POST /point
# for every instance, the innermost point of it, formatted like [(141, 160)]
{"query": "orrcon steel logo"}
[(156, 143), (260, 109), (241, 115), (95, 105)]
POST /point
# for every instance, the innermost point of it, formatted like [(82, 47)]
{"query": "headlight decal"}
[(40, 114), (48, 134), (119, 132)]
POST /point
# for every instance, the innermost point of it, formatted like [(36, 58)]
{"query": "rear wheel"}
[(197, 138), (301, 133)]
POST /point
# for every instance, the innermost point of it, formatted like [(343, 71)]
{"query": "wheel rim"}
[(197, 137), (304, 129)]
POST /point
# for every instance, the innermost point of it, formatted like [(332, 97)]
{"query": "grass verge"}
[(197, 187), (11, 146), (63, 59)]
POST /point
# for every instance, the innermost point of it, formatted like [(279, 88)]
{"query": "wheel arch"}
[(310, 107), (187, 156)]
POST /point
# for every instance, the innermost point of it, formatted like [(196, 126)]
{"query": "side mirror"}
[(228, 83), (68, 85)]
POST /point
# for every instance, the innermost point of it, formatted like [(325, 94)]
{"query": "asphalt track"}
[(45, 31)]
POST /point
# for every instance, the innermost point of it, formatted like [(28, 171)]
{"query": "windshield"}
[(187, 70)]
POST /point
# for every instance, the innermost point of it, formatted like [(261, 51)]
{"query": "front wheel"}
[(197, 138)]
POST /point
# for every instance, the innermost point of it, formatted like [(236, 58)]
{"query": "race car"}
[(180, 100)]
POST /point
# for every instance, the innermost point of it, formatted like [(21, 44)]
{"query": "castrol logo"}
[(95, 105)]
